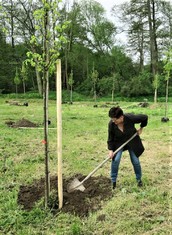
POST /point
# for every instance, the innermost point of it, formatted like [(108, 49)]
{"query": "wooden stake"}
[(59, 134)]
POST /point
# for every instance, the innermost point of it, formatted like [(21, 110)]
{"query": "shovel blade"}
[(75, 185)]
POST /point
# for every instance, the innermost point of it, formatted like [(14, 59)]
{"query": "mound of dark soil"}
[(98, 190), (21, 123)]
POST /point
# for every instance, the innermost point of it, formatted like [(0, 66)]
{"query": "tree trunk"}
[(24, 87), (142, 52), (47, 178), (87, 67), (33, 83), (112, 95), (66, 68), (113, 88), (155, 95), (153, 47), (39, 81), (12, 24), (166, 98), (71, 95), (46, 93)]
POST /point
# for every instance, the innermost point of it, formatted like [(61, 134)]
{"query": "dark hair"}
[(115, 112)]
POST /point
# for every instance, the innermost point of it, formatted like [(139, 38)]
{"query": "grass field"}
[(130, 210)]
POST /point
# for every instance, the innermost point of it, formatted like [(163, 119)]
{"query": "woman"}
[(121, 128)]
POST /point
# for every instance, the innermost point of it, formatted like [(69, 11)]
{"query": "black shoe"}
[(139, 184), (114, 185)]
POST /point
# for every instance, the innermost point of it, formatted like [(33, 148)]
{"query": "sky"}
[(108, 4)]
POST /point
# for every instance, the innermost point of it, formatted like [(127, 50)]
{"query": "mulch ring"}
[(21, 123), (98, 189)]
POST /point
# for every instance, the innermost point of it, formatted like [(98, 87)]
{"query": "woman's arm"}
[(138, 118), (110, 140)]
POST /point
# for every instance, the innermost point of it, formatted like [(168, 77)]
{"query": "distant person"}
[(121, 128)]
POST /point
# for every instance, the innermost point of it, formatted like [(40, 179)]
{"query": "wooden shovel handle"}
[(101, 164)]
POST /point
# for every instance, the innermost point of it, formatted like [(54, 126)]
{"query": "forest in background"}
[(94, 62)]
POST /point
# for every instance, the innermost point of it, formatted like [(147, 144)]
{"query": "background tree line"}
[(90, 52)]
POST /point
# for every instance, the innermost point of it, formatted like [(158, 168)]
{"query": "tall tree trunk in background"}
[(38, 73), (12, 25), (33, 83), (69, 15), (24, 87), (153, 45), (155, 51), (66, 50), (141, 52), (87, 69)]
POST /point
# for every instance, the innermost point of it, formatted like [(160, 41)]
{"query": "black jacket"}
[(116, 137)]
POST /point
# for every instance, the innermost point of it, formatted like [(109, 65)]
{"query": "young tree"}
[(113, 86), (71, 82), (17, 80), (24, 75), (94, 77), (47, 27)]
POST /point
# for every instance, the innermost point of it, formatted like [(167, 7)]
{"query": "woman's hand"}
[(111, 154), (139, 131)]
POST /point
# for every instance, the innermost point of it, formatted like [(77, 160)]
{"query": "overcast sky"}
[(108, 4)]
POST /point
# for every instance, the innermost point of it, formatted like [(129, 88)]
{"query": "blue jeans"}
[(134, 160)]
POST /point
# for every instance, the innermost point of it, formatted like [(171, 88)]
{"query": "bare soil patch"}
[(98, 189), (21, 123)]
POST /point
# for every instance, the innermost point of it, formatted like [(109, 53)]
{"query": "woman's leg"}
[(136, 165), (115, 165)]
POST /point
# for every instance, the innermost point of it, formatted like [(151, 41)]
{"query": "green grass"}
[(129, 211), (77, 97)]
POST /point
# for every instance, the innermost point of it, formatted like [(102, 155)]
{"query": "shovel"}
[(78, 185)]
